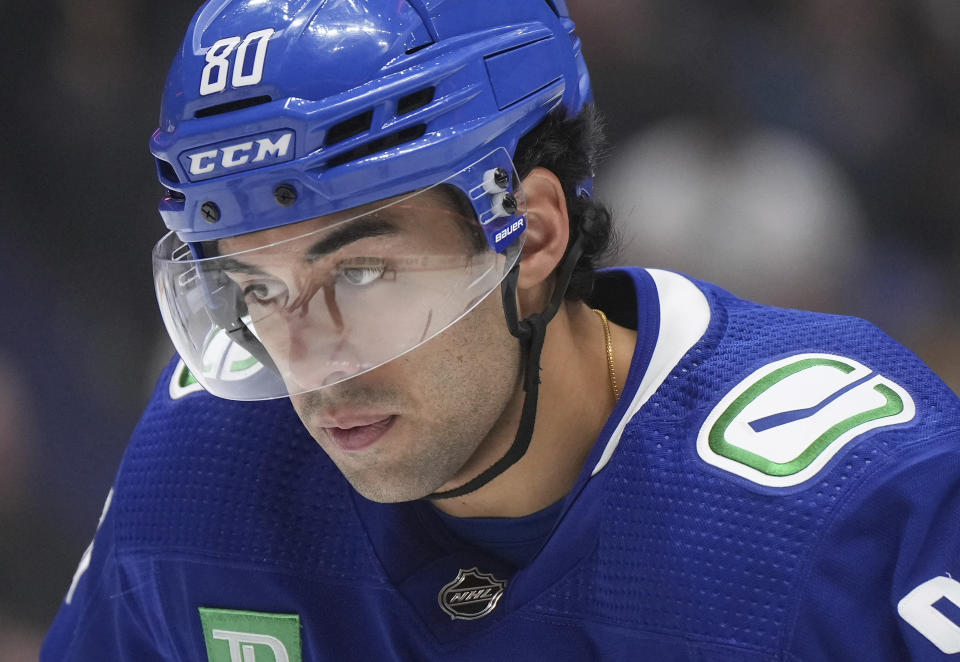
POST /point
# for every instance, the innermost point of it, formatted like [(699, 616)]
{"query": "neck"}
[(575, 402)]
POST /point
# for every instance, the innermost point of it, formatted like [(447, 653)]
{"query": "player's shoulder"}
[(782, 448), (772, 398), (184, 422), (784, 393), (180, 411), (203, 474)]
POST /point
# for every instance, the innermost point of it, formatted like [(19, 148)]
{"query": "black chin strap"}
[(531, 333)]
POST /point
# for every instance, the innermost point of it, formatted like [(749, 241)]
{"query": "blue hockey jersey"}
[(772, 485)]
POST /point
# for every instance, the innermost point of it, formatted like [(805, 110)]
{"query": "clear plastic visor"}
[(308, 305)]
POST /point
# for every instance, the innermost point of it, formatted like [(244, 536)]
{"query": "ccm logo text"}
[(250, 153)]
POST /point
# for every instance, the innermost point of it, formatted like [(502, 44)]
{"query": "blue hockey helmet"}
[(277, 112)]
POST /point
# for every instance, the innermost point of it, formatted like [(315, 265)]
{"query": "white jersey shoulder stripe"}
[(684, 318)]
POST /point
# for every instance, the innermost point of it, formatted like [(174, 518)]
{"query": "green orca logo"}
[(781, 425)]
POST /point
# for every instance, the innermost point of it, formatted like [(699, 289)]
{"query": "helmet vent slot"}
[(349, 128), (418, 47), (414, 101), (167, 172), (231, 106), (380, 144), (174, 196)]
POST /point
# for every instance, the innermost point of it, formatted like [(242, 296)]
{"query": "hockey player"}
[(383, 243)]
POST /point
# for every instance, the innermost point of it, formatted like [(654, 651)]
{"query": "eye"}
[(362, 272), (263, 293)]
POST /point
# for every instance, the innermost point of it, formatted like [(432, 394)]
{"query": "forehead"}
[(430, 214)]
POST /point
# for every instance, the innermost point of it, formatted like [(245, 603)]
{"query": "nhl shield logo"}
[(473, 594)]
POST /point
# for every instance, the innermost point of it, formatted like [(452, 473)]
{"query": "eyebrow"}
[(355, 230), (362, 228)]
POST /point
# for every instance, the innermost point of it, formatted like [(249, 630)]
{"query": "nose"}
[(314, 344), (301, 305)]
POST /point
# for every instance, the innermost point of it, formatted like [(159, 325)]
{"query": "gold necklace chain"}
[(609, 344)]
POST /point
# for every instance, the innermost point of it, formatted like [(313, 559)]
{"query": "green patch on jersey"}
[(781, 425), (250, 636)]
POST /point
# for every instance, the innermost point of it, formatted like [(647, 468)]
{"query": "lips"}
[(356, 432)]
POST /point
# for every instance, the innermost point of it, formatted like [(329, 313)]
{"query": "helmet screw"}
[(210, 212), (509, 204), (285, 195), (495, 181)]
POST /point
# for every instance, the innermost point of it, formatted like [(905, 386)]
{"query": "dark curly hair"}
[(570, 148)]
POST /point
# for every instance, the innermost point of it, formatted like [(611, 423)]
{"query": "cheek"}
[(474, 364)]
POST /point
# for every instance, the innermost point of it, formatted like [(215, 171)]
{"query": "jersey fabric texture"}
[(685, 537), (513, 539)]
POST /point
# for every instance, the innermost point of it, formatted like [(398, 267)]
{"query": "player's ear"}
[(547, 235)]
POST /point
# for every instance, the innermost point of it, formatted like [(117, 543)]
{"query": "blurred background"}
[(801, 153)]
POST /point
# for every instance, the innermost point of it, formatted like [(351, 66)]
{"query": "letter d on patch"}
[(249, 636)]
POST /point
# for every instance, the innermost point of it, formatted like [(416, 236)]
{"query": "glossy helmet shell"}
[(276, 112)]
